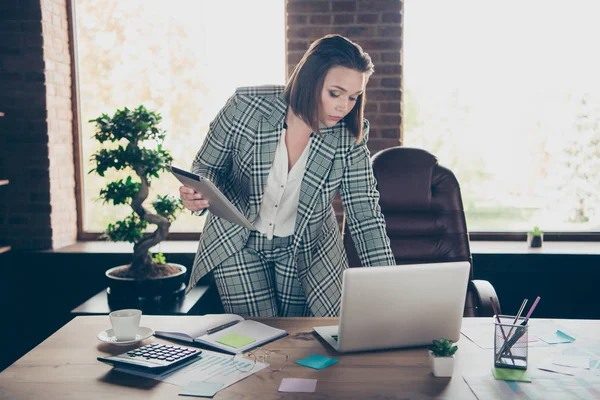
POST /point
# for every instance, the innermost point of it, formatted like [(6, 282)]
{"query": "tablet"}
[(219, 204)]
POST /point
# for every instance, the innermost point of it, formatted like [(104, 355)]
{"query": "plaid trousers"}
[(261, 280)]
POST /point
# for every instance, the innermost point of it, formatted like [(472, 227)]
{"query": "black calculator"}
[(154, 357)]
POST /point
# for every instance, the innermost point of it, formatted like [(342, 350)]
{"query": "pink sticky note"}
[(298, 385)]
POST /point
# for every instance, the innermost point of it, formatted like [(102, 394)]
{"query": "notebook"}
[(228, 333), (399, 306)]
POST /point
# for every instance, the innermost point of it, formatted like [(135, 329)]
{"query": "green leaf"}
[(159, 258)]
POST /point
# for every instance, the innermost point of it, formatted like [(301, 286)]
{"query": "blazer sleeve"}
[(214, 157), (361, 204)]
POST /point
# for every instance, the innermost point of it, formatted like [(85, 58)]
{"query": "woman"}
[(280, 154)]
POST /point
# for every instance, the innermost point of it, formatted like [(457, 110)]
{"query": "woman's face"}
[(341, 89)]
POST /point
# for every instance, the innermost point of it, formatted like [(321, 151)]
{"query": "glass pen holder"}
[(510, 343)]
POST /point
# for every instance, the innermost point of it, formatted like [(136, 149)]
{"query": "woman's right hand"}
[(192, 200)]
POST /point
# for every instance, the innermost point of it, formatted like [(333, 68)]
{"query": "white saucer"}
[(108, 336)]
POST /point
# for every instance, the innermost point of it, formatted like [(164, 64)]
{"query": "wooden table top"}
[(64, 366)]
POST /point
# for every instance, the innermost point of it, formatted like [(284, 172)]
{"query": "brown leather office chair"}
[(425, 220)]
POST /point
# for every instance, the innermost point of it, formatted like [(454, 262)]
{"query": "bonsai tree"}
[(127, 130), (443, 348)]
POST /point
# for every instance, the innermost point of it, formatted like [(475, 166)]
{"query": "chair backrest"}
[(422, 207)]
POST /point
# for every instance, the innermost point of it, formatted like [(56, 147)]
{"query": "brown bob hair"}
[(303, 89)]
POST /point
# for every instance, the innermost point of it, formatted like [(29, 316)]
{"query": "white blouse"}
[(277, 214)]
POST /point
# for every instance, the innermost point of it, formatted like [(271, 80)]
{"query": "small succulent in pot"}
[(443, 348), (441, 354), (535, 237)]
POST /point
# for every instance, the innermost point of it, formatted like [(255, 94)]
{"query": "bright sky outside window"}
[(507, 95)]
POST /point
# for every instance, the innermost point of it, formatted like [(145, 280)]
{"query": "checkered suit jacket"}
[(237, 156)]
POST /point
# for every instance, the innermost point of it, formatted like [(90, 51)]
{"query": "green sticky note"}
[(508, 374), (234, 340), (201, 389), (317, 361)]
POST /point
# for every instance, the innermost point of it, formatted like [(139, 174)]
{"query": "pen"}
[(502, 350), (221, 327), (520, 332), (530, 311)]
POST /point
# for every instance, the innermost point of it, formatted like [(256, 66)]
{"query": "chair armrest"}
[(482, 291)]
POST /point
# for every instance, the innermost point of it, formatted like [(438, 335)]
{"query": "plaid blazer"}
[(237, 156)]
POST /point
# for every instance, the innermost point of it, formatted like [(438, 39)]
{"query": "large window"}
[(182, 58), (507, 95)]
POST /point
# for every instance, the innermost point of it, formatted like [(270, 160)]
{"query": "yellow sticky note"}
[(234, 340)]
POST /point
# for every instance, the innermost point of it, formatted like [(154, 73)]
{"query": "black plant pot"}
[(143, 293), (535, 241)]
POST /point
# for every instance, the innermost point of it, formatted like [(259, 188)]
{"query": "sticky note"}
[(507, 374), (555, 338), (316, 361), (298, 385), (234, 340), (201, 389)]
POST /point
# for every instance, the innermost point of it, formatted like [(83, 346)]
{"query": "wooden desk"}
[(64, 366)]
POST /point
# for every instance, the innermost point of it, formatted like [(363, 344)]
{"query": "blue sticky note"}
[(317, 361), (557, 337), (201, 389)]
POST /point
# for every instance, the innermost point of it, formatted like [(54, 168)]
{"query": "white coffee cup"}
[(125, 323)]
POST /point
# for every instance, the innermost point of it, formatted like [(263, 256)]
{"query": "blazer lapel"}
[(319, 163), (267, 137)]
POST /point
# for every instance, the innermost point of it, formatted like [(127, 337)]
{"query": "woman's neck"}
[(295, 123)]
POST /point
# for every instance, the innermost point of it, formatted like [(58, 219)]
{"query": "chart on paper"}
[(211, 367), (488, 388)]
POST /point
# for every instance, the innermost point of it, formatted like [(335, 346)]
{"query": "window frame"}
[(574, 236)]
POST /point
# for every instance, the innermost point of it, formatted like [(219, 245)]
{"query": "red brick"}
[(368, 18), (375, 57), (389, 107), (389, 69), (385, 120), (320, 19), (389, 133), (390, 31), (378, 5), (387, 44), (297, 19), (391, 56), (383, 95), (390, 82), (343, 6), (370, 108), (342, 19), (295, 45), (294, 58), (307, 6), (355, 32), (307, 32), (391, 18)]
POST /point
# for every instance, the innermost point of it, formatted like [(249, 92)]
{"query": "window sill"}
[(510, 247), (477, 247)]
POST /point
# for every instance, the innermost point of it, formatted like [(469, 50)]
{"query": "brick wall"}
[(55, 31), (36, 151)]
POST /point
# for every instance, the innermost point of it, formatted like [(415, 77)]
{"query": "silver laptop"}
[(399, 306)]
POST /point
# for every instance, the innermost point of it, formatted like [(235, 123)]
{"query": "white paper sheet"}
[(210, 367)]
